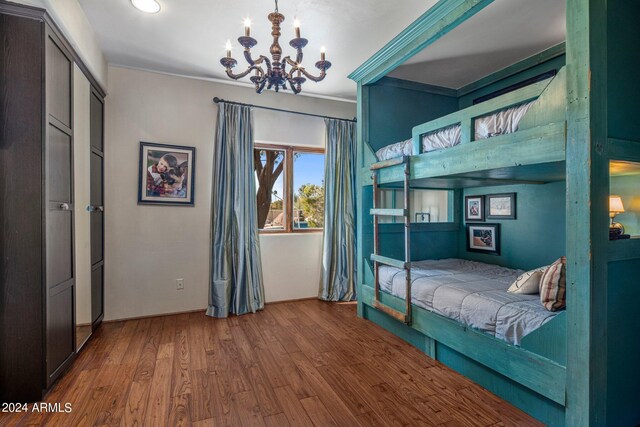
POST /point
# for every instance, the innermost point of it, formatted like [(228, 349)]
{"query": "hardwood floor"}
[(305, 363)]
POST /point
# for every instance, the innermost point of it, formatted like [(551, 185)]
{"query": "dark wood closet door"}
[(59, 276), (21, 209), (97, 209)]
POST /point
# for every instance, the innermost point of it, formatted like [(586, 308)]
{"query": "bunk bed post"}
[(376, 240), (362, 116), (407, 242), (587, 193)]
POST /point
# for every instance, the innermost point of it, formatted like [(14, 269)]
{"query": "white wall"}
[(70, 17), (81, 193), (149, 247)]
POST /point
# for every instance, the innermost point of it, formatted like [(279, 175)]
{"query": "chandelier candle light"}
[(276, 75)]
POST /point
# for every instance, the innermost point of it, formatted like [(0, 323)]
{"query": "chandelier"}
[(276, 75)]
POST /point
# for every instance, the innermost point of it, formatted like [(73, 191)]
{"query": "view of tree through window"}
[(308, 183), (269, 167), (290, 188)]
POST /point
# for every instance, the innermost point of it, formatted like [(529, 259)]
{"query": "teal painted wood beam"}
[(518, 67), (368, 157), (417, 87), (454, 208), (549, 340), (587, 212), (363, 147), (541, 375), (543, 144), (625, 150), (431, 26)]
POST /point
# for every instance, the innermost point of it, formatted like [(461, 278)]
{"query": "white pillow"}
[(528, 283)]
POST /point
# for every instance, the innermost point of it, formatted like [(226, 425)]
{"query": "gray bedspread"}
[(472, 293)]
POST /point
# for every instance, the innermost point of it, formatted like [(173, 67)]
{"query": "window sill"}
[(283, 232)]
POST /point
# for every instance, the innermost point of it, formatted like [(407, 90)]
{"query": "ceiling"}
[(501, 34), (188, 37)]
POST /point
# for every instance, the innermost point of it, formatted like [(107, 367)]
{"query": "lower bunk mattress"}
[(472, 293)]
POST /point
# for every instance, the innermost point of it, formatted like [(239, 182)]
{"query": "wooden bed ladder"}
[(378, 259)]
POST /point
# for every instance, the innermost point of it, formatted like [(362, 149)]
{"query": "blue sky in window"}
[(308, 168)]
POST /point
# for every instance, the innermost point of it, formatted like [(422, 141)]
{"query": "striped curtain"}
[(338, 272), (236, 285)]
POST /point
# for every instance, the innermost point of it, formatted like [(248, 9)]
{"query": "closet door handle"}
[(95, 208), (65, 207)]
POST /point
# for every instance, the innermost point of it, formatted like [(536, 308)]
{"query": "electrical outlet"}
[(179, 284)]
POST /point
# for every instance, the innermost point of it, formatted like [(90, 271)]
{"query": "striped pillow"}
[(553, 286), (528, 283)]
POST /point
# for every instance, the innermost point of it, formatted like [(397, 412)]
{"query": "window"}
[(624, 199), (290, 188), (425, 205)]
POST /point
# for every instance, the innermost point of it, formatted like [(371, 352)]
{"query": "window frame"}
[(288, 198)]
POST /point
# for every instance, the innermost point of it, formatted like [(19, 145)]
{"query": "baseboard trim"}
[(175, 313), (284, 301)]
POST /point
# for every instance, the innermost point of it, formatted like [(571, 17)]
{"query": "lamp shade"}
[(615, 204)]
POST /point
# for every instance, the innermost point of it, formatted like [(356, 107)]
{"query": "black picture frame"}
[(474, 208), (501, 206), (173, 182), (483, 238)]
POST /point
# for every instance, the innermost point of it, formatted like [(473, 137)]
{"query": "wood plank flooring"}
[(304, 363)]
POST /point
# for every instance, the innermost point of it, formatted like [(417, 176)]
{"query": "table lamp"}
[(615, 207)]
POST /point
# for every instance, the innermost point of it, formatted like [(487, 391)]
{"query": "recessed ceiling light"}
[(148, 6)]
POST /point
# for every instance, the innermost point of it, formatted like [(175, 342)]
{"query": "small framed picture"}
[(483, 238), (501, 206), (166, 174), (474, 208)]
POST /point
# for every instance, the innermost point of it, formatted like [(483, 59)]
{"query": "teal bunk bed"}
[(557, 373), (533, 154)]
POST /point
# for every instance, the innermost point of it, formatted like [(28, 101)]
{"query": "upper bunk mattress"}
[(441, 138), (398, 149), (501, 122), (472, 293)]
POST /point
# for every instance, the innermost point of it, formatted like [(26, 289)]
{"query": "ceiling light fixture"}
[(148, 6), (276, 75)]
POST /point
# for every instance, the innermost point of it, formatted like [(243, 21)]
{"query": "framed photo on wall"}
[(501, 206), (474, 208), (483, 238), (166, 174)]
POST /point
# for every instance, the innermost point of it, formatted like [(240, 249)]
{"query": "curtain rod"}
[(217, 100)]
